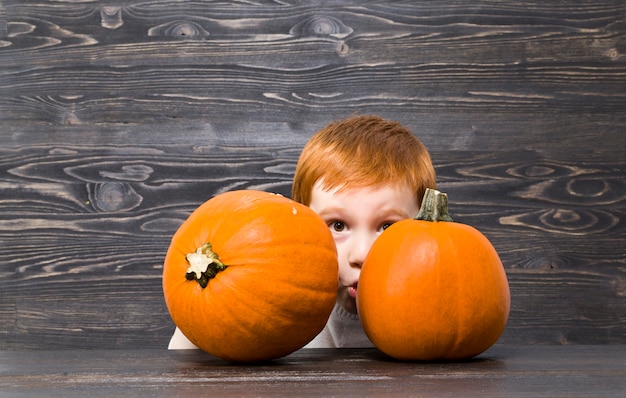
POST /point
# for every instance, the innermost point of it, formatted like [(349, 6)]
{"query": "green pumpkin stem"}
[(434, 206), (204, 265)]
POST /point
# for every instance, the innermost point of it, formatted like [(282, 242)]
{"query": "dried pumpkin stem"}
[(204, 265), (434, 206)]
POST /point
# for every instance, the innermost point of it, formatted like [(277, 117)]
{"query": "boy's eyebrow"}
[(334, 209), (397, 212), (383, 213)]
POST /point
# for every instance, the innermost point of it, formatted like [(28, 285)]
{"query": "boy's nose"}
[(360, 247)]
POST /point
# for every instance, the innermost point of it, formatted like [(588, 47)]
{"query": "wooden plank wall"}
[(118, 118)]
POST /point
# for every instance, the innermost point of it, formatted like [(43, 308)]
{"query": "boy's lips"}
[(352, 290)]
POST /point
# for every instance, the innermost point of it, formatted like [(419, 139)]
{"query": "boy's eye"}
[(338, 226), (387, 225)]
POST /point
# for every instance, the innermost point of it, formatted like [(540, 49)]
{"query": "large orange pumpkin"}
[(433, 289), (251, 276)]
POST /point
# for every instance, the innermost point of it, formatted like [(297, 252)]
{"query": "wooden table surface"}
[(553, 371)]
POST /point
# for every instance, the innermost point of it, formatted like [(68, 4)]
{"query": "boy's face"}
[(356, 217)]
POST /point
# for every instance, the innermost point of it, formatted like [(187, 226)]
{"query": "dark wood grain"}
[(118, 119), (71, 64), (556, 371)]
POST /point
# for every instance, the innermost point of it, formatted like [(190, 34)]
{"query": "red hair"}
[(363, 151)]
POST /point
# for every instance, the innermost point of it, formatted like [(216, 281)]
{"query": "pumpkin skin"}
[(278, 288), (433, 291)]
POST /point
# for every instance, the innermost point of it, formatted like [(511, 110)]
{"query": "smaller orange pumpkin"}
[(433, 289), (251, 276)]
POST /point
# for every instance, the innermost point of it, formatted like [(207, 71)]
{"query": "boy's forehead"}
[(351, 188), (364, 202)]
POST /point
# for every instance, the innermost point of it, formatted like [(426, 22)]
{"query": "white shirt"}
[(343, 330)]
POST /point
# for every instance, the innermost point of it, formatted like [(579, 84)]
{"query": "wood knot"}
[(113, 197), (132, 172), (179, 29), (613, 54), (619, 286), (70, 118), (343, 49), (111, 17), (321, 25), (564, 221), (588, 187), (539, 171)]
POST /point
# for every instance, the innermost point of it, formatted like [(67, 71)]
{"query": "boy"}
[(360, 175)]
